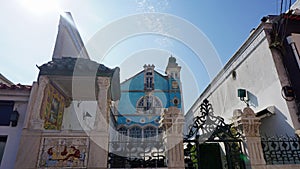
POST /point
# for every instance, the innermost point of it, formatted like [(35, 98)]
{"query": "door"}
[(210, 156)]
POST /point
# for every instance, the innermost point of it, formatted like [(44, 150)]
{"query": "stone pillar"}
[(172, 121), (102, 116), (31, 135), (99, 135), (249, 124), (36, 122)]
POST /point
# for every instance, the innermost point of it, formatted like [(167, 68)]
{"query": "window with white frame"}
[(149, 132), (123, 133), (149, 83), (135, 132), (149, 105)]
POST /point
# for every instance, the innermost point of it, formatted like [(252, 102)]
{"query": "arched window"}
[(135, 132), (149, 105)]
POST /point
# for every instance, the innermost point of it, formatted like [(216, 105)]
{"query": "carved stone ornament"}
[(172, 120), (248, 112), (250, 123), (103, 82)]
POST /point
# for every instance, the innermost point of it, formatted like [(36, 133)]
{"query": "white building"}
[(13, 106), (258, 91), (267, 66)]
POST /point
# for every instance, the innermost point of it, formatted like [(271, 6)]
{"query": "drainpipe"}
[(293, 45)]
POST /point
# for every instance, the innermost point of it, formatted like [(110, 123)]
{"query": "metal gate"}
[(136, 154), (211, 143)]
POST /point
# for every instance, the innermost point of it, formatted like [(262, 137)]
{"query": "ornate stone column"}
[(249, 124), (99, 136), (36, 122), (102, 116), (172, 121)]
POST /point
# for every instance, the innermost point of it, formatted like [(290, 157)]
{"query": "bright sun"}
[(40, 7)]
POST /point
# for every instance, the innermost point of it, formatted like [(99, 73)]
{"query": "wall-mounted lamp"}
[(242, 94), (14, 117)]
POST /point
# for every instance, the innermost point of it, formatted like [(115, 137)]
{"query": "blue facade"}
[(145, 96)]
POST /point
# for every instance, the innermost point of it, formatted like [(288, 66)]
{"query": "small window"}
[(149, 82), (3, 140), (6, 108), (122, 133), (135, 132)]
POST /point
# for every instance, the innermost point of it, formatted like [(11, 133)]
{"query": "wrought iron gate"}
[(211, 143), (136, 154)]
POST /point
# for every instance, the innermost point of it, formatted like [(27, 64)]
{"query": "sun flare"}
[(40, 7)]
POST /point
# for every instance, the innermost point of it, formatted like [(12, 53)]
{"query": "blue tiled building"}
[(144, 96)]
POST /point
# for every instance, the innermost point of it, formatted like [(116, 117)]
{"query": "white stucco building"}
[(13, 106), (267, 67), (257, 93)]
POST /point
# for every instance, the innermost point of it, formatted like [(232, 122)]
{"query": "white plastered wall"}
[(255, 72)]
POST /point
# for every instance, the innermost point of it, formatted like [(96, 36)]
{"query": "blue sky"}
[(28, 33)]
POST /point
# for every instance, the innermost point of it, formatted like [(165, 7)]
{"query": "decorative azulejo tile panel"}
[(63, 152), (53, 109)]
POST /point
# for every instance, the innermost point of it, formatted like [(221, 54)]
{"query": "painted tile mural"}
[(53, 109), (68, 152)]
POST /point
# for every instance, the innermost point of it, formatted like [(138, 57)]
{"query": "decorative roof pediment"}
[(64, 72), (68, 66)]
